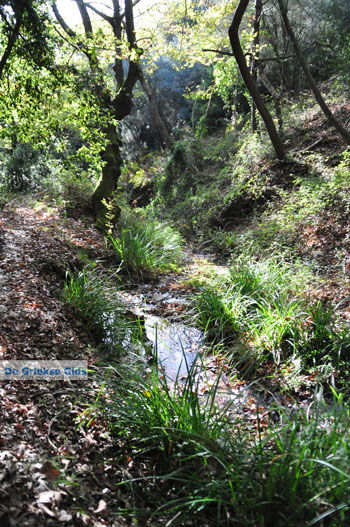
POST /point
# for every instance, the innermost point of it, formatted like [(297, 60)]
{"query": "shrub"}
[(25, 169)]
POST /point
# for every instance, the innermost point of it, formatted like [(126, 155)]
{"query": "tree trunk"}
[(249, 81), (104, 209), (255, 58), (318, 96)]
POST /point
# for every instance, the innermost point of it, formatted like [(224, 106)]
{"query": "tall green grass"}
[(147, 245), (262, 305), (95, 300), (221, 313), (161, 415), (193, 463)]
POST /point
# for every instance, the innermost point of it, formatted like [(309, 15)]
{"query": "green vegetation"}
[(146, 245), (262, 306), (295, 469), (95, 300), (142, 134)]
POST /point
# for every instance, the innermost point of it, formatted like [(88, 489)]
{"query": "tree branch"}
[(62, 22), (220, 52), (13, 36), (103, 15), (85, 17)]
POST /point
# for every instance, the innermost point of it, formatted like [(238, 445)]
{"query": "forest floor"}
[(52, 471)]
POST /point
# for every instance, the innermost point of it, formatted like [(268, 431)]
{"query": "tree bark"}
[(108, 181), (255, 57), (318, 95), (249, 81)]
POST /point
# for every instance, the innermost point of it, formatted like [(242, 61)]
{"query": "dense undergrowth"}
[(284, 229), (225, 193), (207, 469)]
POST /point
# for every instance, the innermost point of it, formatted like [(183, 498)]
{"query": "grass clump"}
[(221, 313), (95, 300), (147, 245), (154, 413), (262, 307), (193, 462)]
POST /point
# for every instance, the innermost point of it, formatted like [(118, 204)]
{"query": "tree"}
[(116, 103), (318, 96), (23, 27), (249, 80), (255, 56)]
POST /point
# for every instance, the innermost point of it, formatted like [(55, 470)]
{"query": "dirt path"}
[(51, 471)]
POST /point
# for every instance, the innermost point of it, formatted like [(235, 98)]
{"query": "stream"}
[(180, 348)]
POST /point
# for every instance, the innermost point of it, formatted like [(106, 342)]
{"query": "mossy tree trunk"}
[(107, 184), (117, 106)]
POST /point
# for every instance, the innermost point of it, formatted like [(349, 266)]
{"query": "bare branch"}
[(220, 52), (272, 59), (303, 62), (103, 15), (85, 18), (72, 34), (62, 22)]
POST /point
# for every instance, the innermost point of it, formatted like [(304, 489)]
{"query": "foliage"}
[(262, 306), (95, 299), (146, 245), (152, 413), (221, 313), (72, 193), (277, 228), (200, 469), (24, 169)]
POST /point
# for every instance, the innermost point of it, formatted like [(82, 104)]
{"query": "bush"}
[(25, 169)]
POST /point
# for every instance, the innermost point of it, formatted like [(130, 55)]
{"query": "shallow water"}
[(175, 345), (181, 349)]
